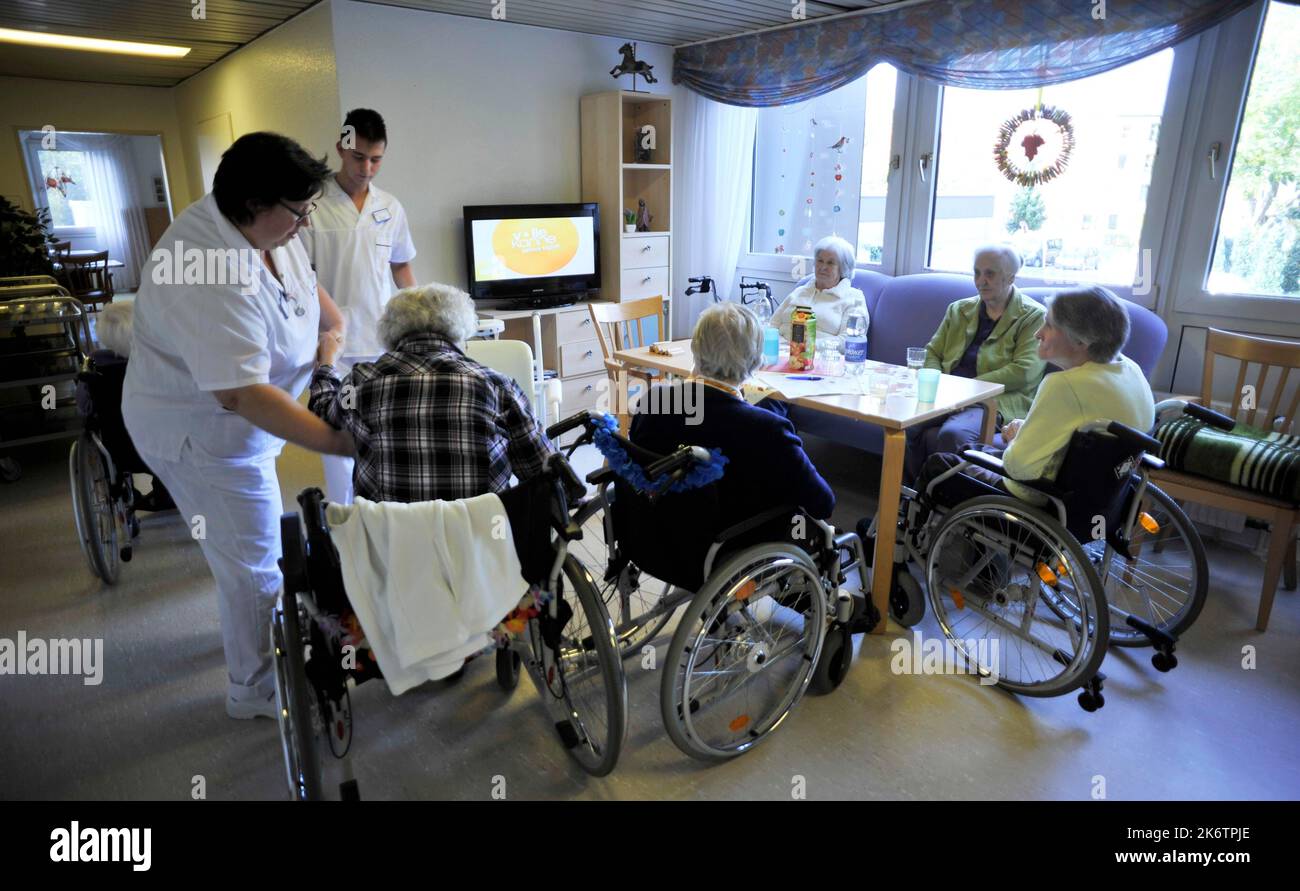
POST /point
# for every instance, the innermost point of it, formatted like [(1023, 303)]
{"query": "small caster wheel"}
[(1091, 701), (507, 669), (1164, 661), (906, 600), (125, 554), (836, 657)]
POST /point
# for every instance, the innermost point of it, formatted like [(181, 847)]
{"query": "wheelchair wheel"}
[(96, 513), (299, 731), (507, 669), (630, 598), (833, 665), (1017, 597), (744, 652), (1165, 582), (579, 673)]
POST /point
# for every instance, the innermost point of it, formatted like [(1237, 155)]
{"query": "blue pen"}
[(804, 377)]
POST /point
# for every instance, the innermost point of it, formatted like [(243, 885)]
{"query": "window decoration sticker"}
[(1034, 146)]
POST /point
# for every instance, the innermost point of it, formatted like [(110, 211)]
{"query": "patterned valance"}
[(991, 44)]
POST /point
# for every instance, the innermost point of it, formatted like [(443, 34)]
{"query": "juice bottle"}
[(803, 338)]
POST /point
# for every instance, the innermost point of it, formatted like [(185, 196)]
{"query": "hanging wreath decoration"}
[(1034, 146)]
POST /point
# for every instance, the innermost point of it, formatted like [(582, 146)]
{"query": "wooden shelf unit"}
[(633, 264)]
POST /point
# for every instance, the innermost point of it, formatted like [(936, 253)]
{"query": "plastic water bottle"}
[(855, 342)]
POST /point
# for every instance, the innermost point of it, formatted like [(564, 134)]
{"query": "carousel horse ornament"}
[(631, 66)]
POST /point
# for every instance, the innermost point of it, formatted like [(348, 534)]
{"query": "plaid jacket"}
[(431, 423)]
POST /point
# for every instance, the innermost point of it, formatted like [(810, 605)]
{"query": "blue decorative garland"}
[(634, 475)]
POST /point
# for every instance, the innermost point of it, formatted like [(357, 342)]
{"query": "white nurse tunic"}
[(201, 326)]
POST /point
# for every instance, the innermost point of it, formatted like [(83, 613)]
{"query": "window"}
[(821, 167), (1257, 249), (66, 188), (1115, 115)]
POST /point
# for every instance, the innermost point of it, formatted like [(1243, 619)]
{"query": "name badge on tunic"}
[(382, 215)]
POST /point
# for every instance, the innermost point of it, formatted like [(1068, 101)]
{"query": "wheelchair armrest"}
[(601, 476), (1152, 462), (985, 460)]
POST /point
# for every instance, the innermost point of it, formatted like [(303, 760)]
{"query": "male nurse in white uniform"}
[(229, 320), (360, 245)]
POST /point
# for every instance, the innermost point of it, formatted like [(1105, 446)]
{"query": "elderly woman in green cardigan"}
[(988, 337)]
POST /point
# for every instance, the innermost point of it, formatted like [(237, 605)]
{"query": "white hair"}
[(1008, 256), (728, 343), (113, 326), (428, 309), (841, 250)]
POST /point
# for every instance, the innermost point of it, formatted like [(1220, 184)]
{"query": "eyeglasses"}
[(299, 216)]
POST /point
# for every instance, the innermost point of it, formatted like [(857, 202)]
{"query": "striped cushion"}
[(1263, 462)]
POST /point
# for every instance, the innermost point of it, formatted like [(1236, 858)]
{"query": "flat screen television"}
[(540, 254)]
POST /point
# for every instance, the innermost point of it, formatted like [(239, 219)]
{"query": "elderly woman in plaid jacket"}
[(429, 422)]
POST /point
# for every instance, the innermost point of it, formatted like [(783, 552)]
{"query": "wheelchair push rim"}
[(1166, 581), (1017, 597), (583, 683), (96, 512), (744, 652)]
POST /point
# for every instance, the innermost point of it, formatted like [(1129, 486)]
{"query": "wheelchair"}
[(101, 463), (1108, 559), (764, 616), (566, 644)]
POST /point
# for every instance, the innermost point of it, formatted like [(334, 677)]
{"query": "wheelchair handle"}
[(684, 457), (1134, 438), (1209, 416), (573, 421)]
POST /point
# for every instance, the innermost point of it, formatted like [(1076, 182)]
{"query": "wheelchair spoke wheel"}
[(1017, 597), (300, 731), (582, 679), (744, 652), (95, 508), (636, 602), (1165, 581)]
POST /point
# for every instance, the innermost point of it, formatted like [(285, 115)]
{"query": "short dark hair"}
[(262, 169), (367, 124)]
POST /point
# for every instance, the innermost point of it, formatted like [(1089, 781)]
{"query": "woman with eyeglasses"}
[(228, 324)]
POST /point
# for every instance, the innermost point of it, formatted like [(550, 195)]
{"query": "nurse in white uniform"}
[(228, 321), (360, 245)]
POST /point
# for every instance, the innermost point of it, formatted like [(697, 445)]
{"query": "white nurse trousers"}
[(233, 507)]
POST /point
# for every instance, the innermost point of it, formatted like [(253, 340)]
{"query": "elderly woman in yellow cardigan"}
[(988, 337)]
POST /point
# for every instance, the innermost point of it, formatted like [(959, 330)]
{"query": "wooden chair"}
[(1262, 412), (613, 323), (89, 280)]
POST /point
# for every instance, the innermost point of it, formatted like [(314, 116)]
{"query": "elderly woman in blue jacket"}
[(830, 293), (767, 466)]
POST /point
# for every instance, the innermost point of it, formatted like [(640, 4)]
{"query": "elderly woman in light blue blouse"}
[(830, 293)]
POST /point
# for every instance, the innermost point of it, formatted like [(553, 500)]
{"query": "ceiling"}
[(232, 23)]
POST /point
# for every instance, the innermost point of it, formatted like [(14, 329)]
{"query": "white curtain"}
[(714, 167), (116, 187)]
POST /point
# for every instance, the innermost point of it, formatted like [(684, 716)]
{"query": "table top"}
[(895, 412)]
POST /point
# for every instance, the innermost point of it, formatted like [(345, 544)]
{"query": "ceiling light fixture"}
[(92, 44)]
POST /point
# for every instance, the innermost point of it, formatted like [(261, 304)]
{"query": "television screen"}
[(534, 251)]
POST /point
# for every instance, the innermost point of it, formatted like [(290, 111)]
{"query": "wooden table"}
[(894, 416)]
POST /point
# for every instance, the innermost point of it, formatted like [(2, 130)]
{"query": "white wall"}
[(478, 112), (148, 164), (285, 81)]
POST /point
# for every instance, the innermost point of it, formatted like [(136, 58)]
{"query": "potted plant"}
[(629, 221), (24, 241)]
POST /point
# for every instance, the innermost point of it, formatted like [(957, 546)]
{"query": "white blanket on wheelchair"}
[(427, 580)]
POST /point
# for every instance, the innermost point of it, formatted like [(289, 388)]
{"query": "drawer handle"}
[(645, 249), (587, 355), (586, 321), (645, 280), (587, 389)]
